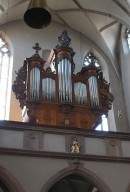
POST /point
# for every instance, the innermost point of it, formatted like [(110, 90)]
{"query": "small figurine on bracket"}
[(75, 148)]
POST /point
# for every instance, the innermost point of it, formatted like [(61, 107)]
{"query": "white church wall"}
[(110, 36), (38, 155), (119, 103), (95, 146), (54, 143), (125, 148), (125, 70), (11, 139), (32, 173)]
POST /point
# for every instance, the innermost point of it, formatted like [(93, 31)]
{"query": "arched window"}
[(127, 32), (104, 125), (5, 79), (90, 58)]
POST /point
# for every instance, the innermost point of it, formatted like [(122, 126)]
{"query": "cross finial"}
[(37, 48)]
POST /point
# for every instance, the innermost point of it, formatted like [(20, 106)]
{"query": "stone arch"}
[(81, 171), (10, 181), (128, 188)]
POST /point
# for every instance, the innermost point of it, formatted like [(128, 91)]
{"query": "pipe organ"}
[(59, 97)]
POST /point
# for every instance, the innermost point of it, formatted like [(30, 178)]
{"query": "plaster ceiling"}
[(90, 17)]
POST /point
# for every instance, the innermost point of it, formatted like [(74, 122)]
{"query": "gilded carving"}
[(75, 147)]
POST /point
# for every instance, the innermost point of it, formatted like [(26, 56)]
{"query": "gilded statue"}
[(75, 148)]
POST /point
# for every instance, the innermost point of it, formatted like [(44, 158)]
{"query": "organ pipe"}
[(34, 83), (65, 80), (48, 89), (93, 89), (80, 93)]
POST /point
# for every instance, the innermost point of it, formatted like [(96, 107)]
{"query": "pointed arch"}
[(128, 188), (10, 181), (81, 171), (91, 58), (101, 61)]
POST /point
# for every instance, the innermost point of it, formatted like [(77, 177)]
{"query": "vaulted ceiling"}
[(100, 20)]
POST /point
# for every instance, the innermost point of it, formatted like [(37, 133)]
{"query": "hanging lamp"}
[(37, 15)]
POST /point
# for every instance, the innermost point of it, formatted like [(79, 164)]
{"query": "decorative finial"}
[(37, 48), (92, 58), (64, 40)]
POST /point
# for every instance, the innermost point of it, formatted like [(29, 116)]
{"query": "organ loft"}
[(58, 97)]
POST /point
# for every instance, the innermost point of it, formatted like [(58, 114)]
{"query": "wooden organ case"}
[(59, 97)]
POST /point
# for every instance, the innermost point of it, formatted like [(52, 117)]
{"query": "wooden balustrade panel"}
[(51, 114)]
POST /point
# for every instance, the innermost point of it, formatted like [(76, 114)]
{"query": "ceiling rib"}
[(85, 13), (68, 10), (127, 1), (90, 11), (122, 7), (62, 20), (2, 9), (79, 6), (5, 11), (107, 26)]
